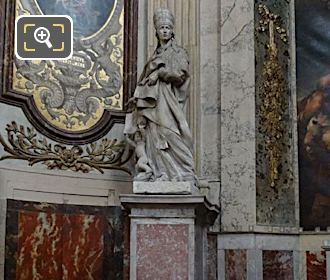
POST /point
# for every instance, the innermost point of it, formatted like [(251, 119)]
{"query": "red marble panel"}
[(162, 252), (39, 253), (57, 246), (316, 265), (83, 246), (277, 265), (61, 241), (235, 263)]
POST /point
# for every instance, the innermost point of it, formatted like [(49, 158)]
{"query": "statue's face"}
[(165, 32)]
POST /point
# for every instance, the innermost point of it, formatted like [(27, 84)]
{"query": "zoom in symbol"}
[(41, 37)]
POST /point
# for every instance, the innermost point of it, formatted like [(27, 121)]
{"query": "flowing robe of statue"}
[(162, 136)]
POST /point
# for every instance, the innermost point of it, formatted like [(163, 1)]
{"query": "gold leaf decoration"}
[(24, 144), (273, 96)]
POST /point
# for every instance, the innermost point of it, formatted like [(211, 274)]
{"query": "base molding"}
[(164, 187)]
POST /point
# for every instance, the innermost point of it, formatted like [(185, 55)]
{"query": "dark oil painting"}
[(88, 16), (313, 90)]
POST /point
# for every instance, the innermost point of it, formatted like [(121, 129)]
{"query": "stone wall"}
[(259, 223), (248, 200), (238, 157)]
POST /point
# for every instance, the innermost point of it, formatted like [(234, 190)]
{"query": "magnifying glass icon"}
[(41, 35)]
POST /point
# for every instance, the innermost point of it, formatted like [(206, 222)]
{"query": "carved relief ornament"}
[(73, 101), (273, 104)]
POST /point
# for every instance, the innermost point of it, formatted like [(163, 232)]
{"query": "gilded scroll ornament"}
[(272, 94), (73, 95), (24, 144)]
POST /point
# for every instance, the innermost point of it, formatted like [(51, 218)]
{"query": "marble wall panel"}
[(209, 68), (316, 265), (59, 246), (277, 265), (52, 241), (212, 257), (275, 204), (162, 251), (273, 256), (237, 115), (236, 264)]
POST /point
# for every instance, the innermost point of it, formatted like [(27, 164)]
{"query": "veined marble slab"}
[(164, 187)]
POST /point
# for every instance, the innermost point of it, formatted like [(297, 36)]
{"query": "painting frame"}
[(26, 102), (313, 114)]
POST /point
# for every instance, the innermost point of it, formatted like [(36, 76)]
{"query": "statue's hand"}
[(152, 79), (162, 73), (129, 141)]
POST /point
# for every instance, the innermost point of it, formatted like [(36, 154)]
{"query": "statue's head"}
[(164, 24)]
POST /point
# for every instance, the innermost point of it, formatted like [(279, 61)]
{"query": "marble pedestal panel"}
[(168, 236)]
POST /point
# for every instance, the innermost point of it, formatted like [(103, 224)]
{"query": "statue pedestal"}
[(164, 187), (168, 235)]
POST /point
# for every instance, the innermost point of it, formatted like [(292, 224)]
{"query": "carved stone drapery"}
[(187, 34)]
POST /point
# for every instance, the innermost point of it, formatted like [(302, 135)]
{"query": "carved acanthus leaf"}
[(24, 144)]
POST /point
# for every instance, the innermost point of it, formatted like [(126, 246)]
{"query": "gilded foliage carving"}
[(273, 98), (24, 144)]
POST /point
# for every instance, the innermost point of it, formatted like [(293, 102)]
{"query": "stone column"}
[(168, 237)]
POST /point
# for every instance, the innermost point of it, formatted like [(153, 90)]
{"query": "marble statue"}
[(157, 126)]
